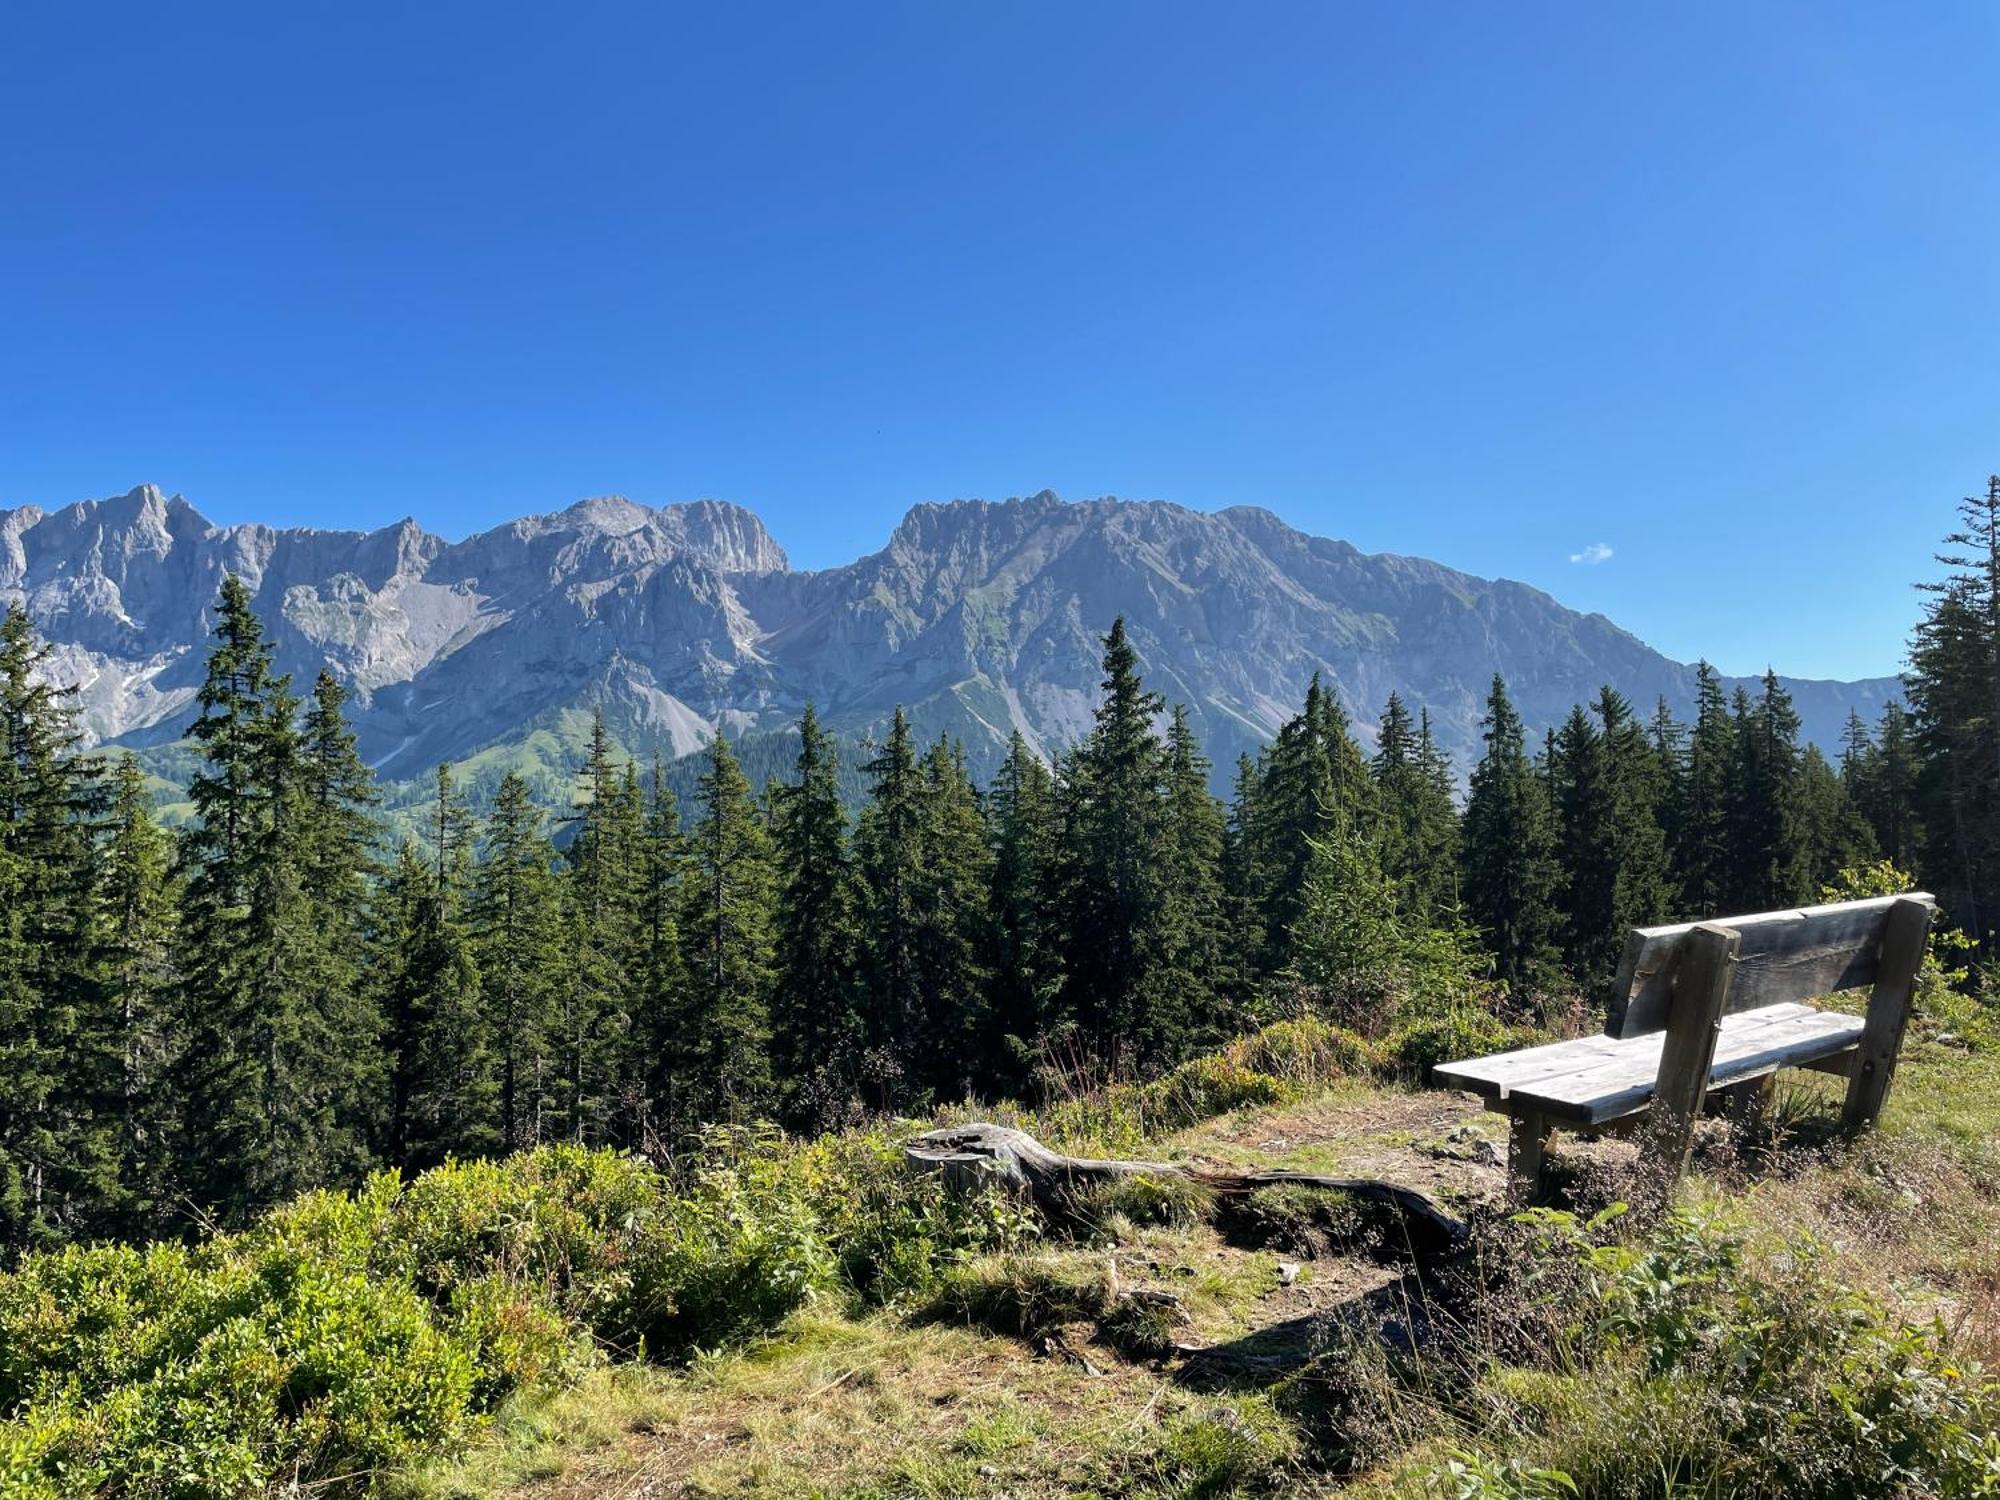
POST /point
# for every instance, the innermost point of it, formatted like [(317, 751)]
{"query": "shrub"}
[(1677, 1359), (210, 1372), (1173, 1202), (345, 1333), (1462, 1028), (1207, 1086), (1021, 1296), (1302, 1221), (733, 1256), (894, 1230)]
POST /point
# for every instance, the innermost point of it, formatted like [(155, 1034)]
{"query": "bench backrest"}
[(1785, 955)]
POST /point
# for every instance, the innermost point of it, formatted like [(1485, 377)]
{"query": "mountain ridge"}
[(978, 616)]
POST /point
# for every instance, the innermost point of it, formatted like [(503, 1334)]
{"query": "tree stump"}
[(981, 1155)]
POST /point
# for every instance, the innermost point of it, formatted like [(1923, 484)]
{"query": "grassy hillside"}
[(782, 1319)]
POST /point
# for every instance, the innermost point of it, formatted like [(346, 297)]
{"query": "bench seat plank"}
[(1597, 1078)]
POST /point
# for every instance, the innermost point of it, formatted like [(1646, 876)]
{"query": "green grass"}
[(1812, 1303)]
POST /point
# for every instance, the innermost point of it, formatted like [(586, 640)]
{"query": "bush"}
[(1301, 1221), (894, 1230), (1678, 1360), (1020, 1296), (214, 1371), (734, 1256), (1278, 1064), (346, 1333), (1173, 1202), (1462, 1028)]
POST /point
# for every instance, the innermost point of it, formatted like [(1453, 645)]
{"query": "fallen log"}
[(981, 1154)]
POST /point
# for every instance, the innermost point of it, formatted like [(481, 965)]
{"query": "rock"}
[(1288, 1272), (980, 617)]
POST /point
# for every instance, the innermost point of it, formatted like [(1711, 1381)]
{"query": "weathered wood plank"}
[(1494, 1074), (1786, 955), (1903, 942), (1705, 964), (1605, 1094), (1527, 1067), (1603, 1088)]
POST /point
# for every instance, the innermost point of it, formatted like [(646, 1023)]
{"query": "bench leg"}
[(1527, 1140), (1903, 942), (1701, 994)]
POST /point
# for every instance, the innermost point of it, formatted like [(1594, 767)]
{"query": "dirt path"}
[(890, 1406)]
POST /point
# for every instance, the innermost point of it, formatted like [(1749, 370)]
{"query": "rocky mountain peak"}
[(980, 617)]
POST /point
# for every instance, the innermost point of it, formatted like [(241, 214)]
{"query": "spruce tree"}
[(138, 906), (603, 891), (886, 845), (816, 1020), (721, 1058), (1954, 692), (1884, 788), (952, 880), (1244, 881), (1187, 1004), (517, 934), (267, 1075), (219, 1063), (1022, 924), (58, 1073), (661, 980), (447, 1092), (307, 1132), (1315, 788), (1418, 829), (1608, 835), (1701, 851), (1669, 740), (1857, 748), (1769, 856), (1113, 913), (1835, 835), (1511, 878), (337, 836)]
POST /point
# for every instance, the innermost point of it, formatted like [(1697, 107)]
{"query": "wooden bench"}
[(1717, 1006)]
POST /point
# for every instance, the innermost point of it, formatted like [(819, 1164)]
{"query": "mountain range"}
[(678, 621)]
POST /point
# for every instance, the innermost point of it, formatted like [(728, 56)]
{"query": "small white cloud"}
[(1592, 555)]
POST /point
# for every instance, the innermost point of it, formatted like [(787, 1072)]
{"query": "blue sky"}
[(1705, 297)]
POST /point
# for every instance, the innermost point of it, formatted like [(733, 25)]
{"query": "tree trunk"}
[(980, 1154)]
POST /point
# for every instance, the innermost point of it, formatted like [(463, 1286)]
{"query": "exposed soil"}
[(840, 1417)]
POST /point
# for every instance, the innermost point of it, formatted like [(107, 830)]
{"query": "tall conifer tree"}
[(58, 1080), (722, 1062), (138, 903), (1187, 1003), (1022, 924), (448, 1093), (815, 1013), (886, 843), (1703, 861), (516, 923), (1954, 692), (1511, 878), (1114, 940), (1769, 855), (268, 1078)]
